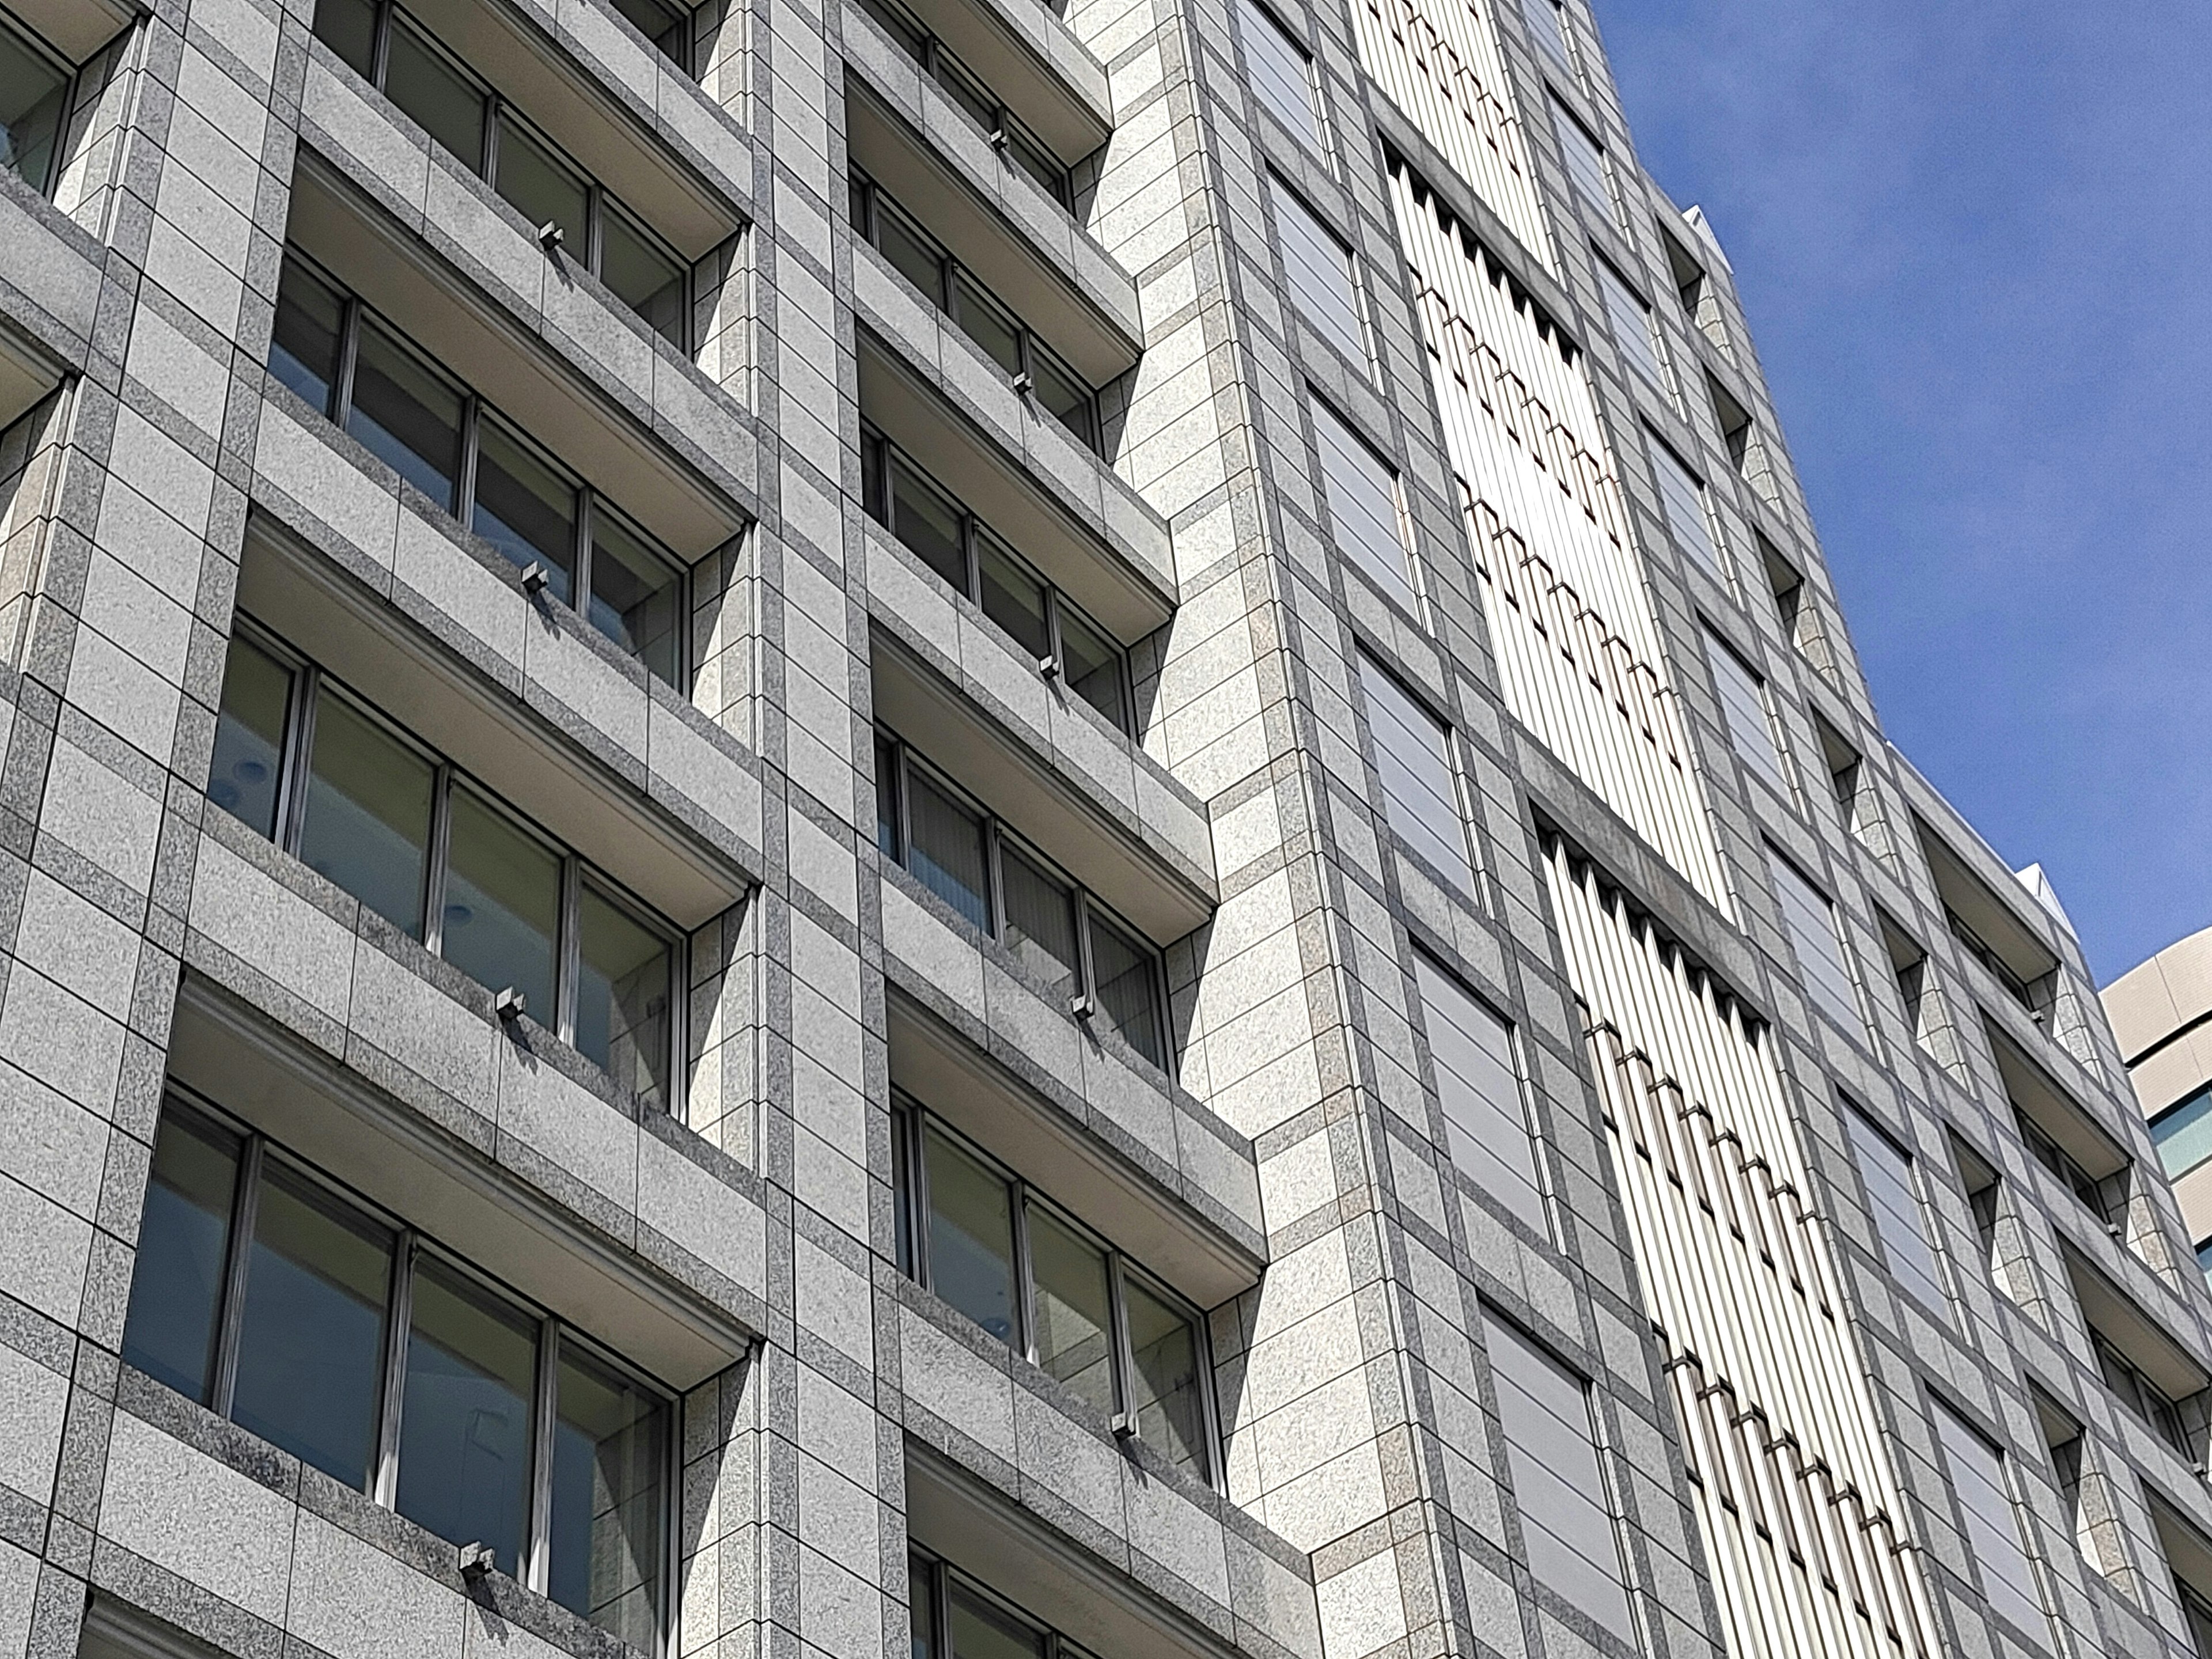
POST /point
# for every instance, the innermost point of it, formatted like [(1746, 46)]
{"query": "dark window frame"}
[(911, 1120), (355, 314), (256, 1152), (997, 834), (930, 1625), (309, 684), (34, 46), (2147, 1402)]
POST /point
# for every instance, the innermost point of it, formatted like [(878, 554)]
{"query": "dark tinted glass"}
[(988, 324), (1073, 1308), (926, 520), (502, 905), (249, 736), (525, 506), (609, 1495), (311, 1343), (887, 799), (1011, 597), (921, 1605), (418, 78), (367, 820), (406, 414), (1479, 1089), (1040, 921), (668, 27), (1164, 1358), (971, 1237), (303, 351), (637, 597), (961, 87), (912, 249), (623, 991), (541, 187), (644, 278), (1065, 398), (465, 1418), (946, 850), (347, 27), (1093, 666), (1129, 998), (176, 1292), (34, 93), (1040, 164), (981, 1629), (901, 27)]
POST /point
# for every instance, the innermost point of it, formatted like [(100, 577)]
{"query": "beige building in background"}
[(2162, 1015)]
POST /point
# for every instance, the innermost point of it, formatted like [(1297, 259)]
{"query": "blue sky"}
[(1975, 243)]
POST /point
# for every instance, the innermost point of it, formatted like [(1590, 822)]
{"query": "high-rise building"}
[(2162, 1015), (927, 826)]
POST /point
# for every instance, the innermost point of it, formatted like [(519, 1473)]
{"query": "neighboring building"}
[(921, 827), (2162, 1015)]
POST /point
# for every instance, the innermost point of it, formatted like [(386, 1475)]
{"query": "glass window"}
[(249, 736), (971, 1237), (1361, 490), (407, 415), (986, 323), (1810, 922), (1479, 1089), (645, 279), (945, 851), (1040, 163), (981, 1629), (1320, 270), (1092, 664), (927, 522), (1992, 1526), (420, 80), (525, 506), (1683, 500), (1559, 1486), (2182, 1132), (1063, 394), (34, 99), (669, 28), (2204, 1260), (637, 597), (962, 89), (622, 992), (503, 914), (1127, 988), (1585, 162), (465, 1441), (1011, 597), (921, 1605), (1040, 922), (1743, 706), (610, 1499), (1899, 1220), (911, 250), (347, 27), (367, 825), (303, 351), (541, 187), (1412, 759), (1163, 1362), (311, 1340), (1074, 1317), (1550, 29), (887, 797), (913, 39), (1632, 324), (184, 1249), (1282, 74)]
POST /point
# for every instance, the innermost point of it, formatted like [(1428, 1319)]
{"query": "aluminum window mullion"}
[(567, 951), (465, 483), (595, 214), (679, 1027), (1025, 1272), (905, 812), (1086, 969), (341, 404), (292, 767), (433, 879), (918, 1201), (244, 1205), (1124, 1358), (579, 590), (399, 1307), (537, 1564), (379, 46), (487, 151)]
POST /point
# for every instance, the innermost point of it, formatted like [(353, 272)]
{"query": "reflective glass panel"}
[(1073, 1308), (367, 820), (644, 278), (981, 1629), (525, 506), (911, 249), (303, 351), (1412, 759), (1040, 164), (1898, 1220), (347, 27), (926, 520), (1362, 492), (502, 903), (1810, 922), (311, 1342), (1127, 988), (176, 1291), (1064, 397), (418, 78), (946, 849), (1992, 1526), (542, 187), (1011, 597), (622, 997), (1040, 927), (1282, 75), (971, 1237), (610, 1496), (637, 597), (2184, 1133), (986, 322), (34, 97), (249, 736), (1093, 666), (1163, 1357), (1319, 272), (465, 1417), (406, 414), (1479, 1090)]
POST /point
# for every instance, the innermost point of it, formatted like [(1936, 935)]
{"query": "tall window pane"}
[(1684, 499), (1479, 1087), (637, 597), (1064, 396), (644, 278), (610, 1499), (1992, 1524), (33, 91), (912, 250), (1412, 759), (1040, 927), (1549, 28), (1127, 982), (981, 1629), (1282, 74), (1164, 1355), (1632, 326), (303, 351), (502, 903), (1073, 1310), (1362, 493), (1810, 922), (1899, 1219), (971, 1237), (1093, 667), (926, 520), (418, 78), (1320, 270), (946, 851), (464, 1428), (986, 322), (367, 823), (1743, 705), (311, 1343), (407, 415), (1010, 597), (249, 736), (1550, 1451), (176, 1292), (623, 996), (347, 27), (1585, 162), (921, 1607), (887, 799), (541, 187), (525, 506)]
